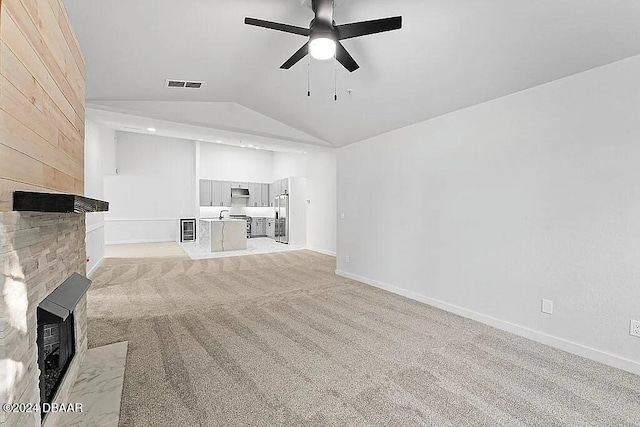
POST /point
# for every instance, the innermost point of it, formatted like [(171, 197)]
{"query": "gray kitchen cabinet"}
[(264, 199), (271, 230), (272, 195), (254, 227), (205, 192), (284, 186), (225, 190), (221, 193), (258, 227), (216, 193), (255, 194)]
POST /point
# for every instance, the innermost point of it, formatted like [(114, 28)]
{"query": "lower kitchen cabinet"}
[(271, 229), (258, 227)]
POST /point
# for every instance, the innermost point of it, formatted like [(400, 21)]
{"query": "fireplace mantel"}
[(28, 201)]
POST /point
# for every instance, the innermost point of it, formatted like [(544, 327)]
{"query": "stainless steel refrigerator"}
[(282, 218)]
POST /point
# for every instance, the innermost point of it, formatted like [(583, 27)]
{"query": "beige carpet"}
[(145, 250), (278, 339)]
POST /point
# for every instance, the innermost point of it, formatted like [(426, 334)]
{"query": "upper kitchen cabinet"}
[(240, 185), (215, 193), (225, 189), (265, 195), (221, 193), (284, 186), (255, 194), (272, 195), (205, 193)]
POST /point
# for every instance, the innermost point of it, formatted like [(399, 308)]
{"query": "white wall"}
[(286, 165), (154, 188), (298, 211), (487, 210), (226, 163), (321, 210), (99, 160), (320, 170)]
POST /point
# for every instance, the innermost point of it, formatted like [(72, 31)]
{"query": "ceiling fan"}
[(324, 35)]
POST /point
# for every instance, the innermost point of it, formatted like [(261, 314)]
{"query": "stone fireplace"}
[(38, 253)]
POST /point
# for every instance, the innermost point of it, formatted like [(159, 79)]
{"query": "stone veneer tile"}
[(39, 250)]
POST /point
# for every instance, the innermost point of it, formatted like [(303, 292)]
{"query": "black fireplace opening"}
[(56, 348), (56, 340)]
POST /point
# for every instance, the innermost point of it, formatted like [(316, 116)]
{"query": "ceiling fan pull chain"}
[(335, 79), (308, 79)]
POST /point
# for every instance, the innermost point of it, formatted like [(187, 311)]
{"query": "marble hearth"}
[(38, 251)]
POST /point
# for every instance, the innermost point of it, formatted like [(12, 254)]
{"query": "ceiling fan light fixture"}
[(322, 48)]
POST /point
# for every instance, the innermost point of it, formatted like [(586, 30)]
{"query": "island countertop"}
[(218, 235)]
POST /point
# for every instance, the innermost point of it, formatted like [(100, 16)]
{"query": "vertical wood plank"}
[(42, 105)]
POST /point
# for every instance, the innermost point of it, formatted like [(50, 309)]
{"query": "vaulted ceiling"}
[(450, 54)]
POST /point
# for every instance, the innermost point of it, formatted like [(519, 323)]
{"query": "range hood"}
[(28, 201), (239, 193)]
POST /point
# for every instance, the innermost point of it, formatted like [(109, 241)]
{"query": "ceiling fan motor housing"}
[(322, 30)]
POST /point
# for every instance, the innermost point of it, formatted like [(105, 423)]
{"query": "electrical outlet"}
[(634, 328), (347, 258), (547, 306)]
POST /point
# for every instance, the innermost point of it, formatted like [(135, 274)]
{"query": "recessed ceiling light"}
[(151, 129), (219, 142)]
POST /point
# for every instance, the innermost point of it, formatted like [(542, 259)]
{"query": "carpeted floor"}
[(278, 339)]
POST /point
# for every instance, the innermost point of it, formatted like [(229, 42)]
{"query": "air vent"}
[(183, 84)]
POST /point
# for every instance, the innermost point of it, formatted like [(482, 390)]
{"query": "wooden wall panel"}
[(42, 99)]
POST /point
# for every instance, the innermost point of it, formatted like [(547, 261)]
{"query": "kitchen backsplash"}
[(214, 211)]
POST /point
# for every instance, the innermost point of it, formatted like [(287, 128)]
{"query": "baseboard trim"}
[(541, 337), (127, 242), (144, 219), (322, 251), (90, 272)]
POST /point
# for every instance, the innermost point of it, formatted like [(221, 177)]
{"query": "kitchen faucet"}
[(223, 210)]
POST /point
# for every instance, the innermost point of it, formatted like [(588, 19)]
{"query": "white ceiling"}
[(450, 54)]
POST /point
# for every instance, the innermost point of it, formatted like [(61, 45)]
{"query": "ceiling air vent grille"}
[(183, 84)]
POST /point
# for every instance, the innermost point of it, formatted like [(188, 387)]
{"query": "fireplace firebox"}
[(56, 348), (56, 334)]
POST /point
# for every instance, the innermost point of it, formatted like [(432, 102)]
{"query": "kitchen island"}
[(218, 235)]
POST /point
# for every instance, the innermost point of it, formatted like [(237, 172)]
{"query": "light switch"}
[(547, 306)]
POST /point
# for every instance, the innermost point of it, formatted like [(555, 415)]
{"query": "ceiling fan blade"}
[(345, 59), (301, 53), (277, 26), (357, 29)]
